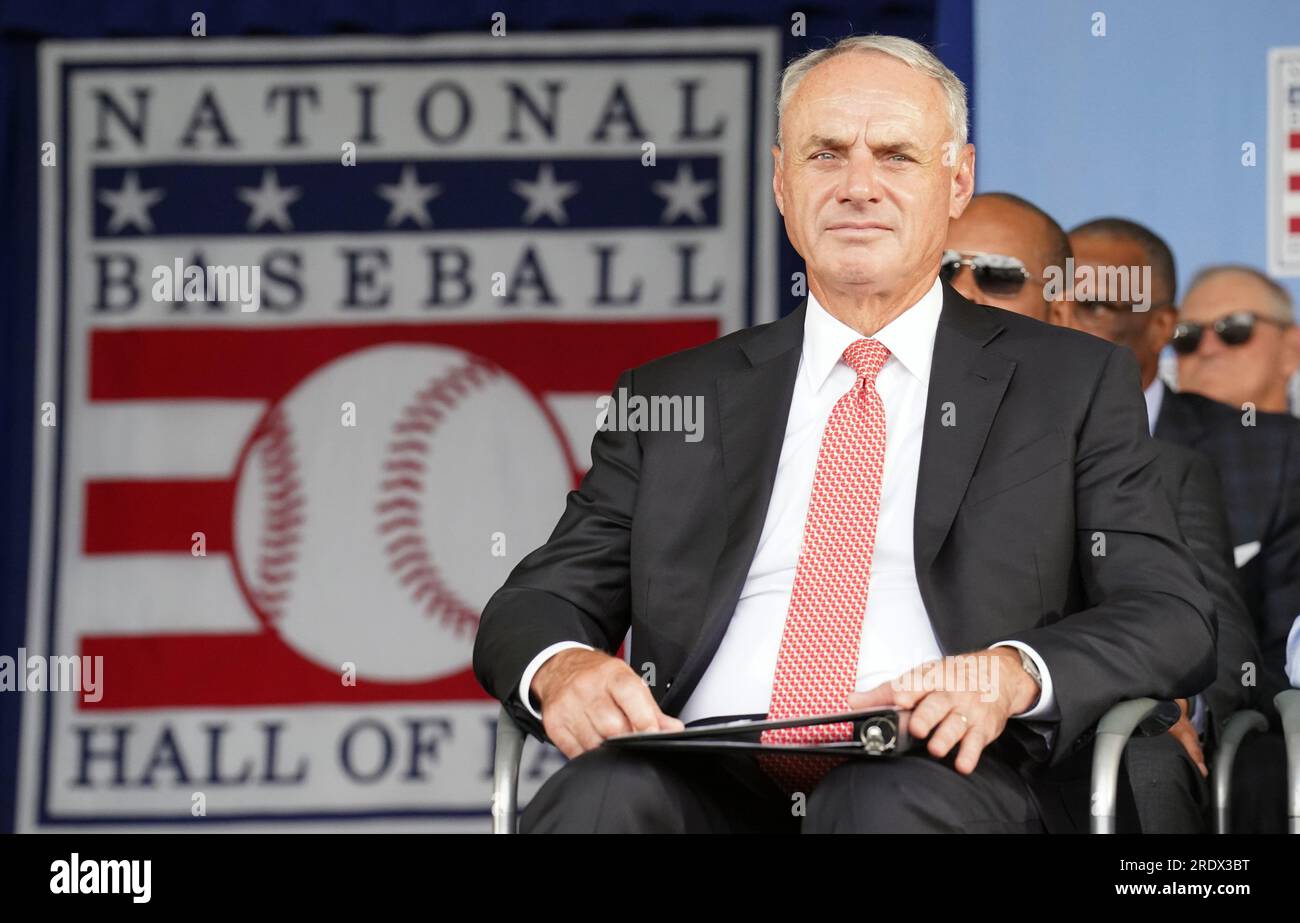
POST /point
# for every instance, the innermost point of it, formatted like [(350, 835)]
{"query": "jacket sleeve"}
[(1149, 627), (575, 587)]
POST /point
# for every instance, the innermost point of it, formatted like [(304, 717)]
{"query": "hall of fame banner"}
[(276, 521)]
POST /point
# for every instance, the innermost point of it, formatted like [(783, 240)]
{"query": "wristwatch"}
[(1032, 669)]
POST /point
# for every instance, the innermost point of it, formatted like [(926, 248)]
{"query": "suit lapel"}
[(967, 383), (753, 406)]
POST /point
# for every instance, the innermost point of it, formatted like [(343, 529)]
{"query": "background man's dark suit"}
[(1039, 518), (1171, 794), (1193, 490), (1260, 471), (1259, 468)]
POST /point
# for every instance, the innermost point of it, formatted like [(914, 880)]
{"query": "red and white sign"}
[(1284, 162), (278, 527)]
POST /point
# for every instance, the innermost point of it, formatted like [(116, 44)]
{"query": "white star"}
[(269, 201), (545, 195), (130, 204), (684, 195), (409, 198)]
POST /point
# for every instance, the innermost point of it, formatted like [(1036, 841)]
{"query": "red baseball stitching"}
[(284, 515), (399, 508)]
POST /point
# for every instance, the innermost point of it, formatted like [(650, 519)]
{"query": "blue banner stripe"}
[(204, 199)]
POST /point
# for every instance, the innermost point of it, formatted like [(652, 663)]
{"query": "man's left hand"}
[(963, 699), (1185, 733)]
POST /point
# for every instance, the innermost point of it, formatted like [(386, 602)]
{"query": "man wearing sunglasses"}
[(999, 251), (1257, 457), (1236, 338), (1167, 772)]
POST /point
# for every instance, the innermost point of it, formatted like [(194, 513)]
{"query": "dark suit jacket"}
[(1193, 490), (1259, 467), (1039, 517)]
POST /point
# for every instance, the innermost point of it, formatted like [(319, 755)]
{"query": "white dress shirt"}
[(896, 630), (1155, 395), (1293, 654)]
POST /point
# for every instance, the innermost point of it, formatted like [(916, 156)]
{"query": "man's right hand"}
[(587, 696)]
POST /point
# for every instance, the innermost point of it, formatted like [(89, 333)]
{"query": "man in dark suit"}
[(1257, 457), (990, 479), (996, 250)]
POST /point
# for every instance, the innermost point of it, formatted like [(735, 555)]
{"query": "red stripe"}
[(1294, 140), (266, 364), (159, 516), (1295, 225), (1294, 181), (180, 671)]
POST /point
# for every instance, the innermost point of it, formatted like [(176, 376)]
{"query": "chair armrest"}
[(1113, 733), (1240, 726), (505, 774), (1288, 706)]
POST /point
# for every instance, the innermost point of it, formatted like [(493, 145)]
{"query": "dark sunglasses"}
[(1233, 329), (994, 273)]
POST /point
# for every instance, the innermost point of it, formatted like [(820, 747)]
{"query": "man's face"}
[(999, 227), (1144, 332), (1257, 370), (860, 177)]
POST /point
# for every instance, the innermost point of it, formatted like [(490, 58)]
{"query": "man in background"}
[(1236, 339), (999, 250)]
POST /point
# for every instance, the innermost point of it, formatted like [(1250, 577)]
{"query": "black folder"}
[(877, 732)]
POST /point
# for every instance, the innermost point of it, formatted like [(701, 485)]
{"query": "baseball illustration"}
[(373, 543)]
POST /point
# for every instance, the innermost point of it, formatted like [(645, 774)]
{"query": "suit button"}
[(668, 685)]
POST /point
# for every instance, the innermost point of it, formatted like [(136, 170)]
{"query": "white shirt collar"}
[(1155, 395), (909, 337)]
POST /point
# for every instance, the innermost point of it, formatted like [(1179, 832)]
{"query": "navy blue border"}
[(19, 265), (760, 147)]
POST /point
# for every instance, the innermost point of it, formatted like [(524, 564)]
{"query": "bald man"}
[(998, 252), (1236, 339)]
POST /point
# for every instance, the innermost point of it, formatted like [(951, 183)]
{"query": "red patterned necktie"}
[(817, 665)]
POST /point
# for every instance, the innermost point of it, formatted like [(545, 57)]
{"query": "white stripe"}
[(172, 439), (145, 594)]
